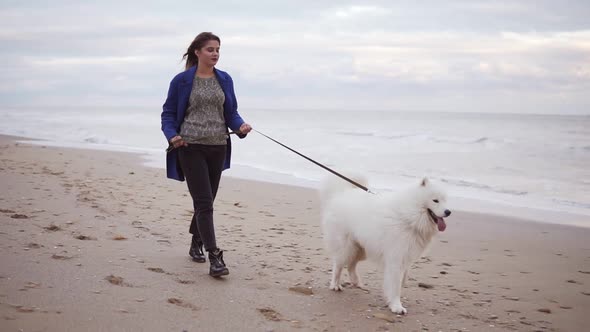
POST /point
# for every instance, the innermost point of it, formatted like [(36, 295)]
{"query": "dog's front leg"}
[(392, 286)]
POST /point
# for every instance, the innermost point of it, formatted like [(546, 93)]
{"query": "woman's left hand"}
[(245, 128)]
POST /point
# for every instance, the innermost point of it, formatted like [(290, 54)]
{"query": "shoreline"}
[(246, 173), (92, 240)]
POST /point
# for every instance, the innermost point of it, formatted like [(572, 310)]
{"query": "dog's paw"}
[(398, 309), (360, 285), (335, 287)]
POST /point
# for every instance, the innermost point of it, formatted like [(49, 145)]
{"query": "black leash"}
[(315, 162), (171, 147)]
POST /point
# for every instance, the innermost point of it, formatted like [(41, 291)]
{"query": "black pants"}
[(202, 166)]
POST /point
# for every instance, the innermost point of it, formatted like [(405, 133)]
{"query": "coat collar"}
[(189, 75)]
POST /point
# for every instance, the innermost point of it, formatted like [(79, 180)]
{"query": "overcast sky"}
[(447, 55)]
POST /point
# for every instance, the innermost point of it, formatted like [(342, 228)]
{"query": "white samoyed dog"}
[(391, 229)]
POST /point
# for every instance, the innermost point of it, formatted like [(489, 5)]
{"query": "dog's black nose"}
[(447, 213)]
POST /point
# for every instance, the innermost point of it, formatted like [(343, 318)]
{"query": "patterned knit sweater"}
[(204, 122)]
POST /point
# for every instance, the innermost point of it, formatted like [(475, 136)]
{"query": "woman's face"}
[(208, 54)]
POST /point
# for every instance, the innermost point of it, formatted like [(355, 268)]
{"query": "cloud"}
[(308, 53), (85, 61), (356, 11)]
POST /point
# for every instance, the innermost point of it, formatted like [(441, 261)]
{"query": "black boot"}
[(196, 251), (217, 268)]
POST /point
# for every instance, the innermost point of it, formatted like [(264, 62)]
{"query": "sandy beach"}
[(94, 241)]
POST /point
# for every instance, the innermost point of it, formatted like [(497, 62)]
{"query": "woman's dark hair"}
[(200, 41)]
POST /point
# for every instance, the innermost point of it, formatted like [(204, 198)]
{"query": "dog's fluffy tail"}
[(333, 185)]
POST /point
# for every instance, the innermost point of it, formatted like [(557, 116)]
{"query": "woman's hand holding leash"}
[(245, 128), (177, 142)]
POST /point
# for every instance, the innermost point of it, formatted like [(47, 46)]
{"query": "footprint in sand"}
[(512, 311), (270, 314), (119, 281), (138, 225), (301, 290), (84, 237), (60, 257), (185, 282), (425, 285), (33, 245), (52, 228), (23, 309), (30, 285), (183, 304), (512, 298), (156, 269), (468, 316)]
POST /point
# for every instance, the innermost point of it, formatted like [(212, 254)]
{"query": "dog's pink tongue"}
[(440, 222)]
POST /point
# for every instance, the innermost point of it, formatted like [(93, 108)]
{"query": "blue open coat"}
[(174, 110)]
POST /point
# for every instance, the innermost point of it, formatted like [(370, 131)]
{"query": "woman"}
[(200, 106)]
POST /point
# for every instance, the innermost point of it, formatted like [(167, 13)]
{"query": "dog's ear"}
[(424, 182)]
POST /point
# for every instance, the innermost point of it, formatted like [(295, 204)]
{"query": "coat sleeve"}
[(169, 111), (235, 120)]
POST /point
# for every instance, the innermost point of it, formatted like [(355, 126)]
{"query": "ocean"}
[(502, 163)]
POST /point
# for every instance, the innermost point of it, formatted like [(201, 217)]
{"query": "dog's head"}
[(435, 203)]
